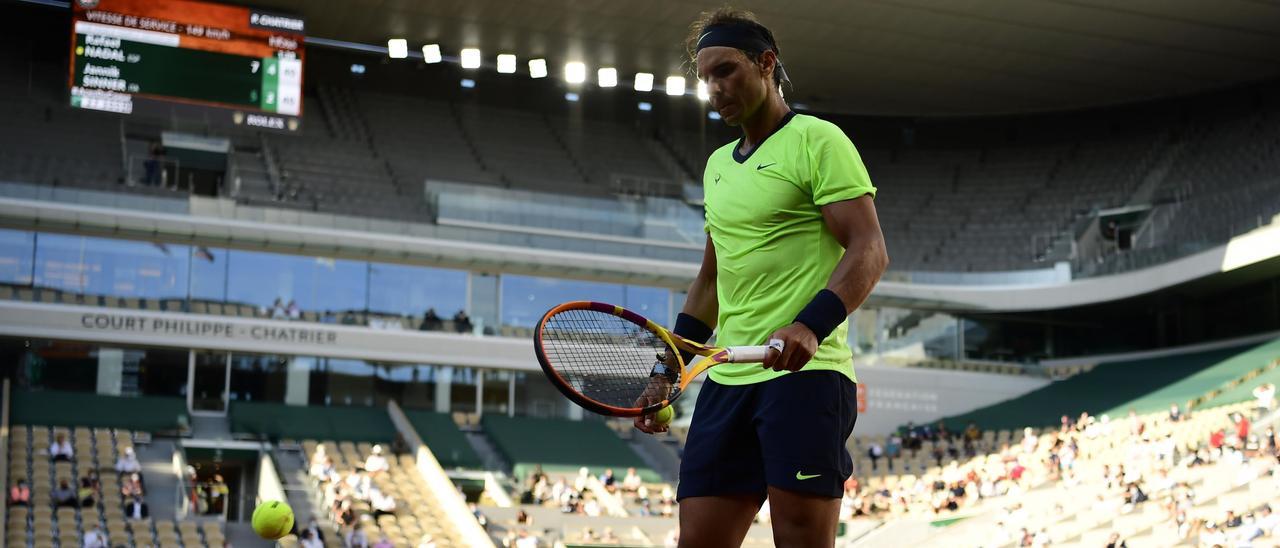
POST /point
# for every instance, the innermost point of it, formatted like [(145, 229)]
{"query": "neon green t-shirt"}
[(773, 249)]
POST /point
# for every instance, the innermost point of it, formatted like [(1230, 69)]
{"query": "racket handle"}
[(753, 354)]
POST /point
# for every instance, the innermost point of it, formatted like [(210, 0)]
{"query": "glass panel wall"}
[(17, 256), (102, 266), (526, 298)]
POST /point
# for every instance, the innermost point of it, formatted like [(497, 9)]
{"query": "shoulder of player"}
[(810, 126)]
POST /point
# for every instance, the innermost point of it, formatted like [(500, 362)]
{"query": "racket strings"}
[(602, 356)]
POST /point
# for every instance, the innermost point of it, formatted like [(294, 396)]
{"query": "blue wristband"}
[(693, 329), (823, 314)]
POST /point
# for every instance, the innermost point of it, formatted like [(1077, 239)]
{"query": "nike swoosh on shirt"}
[(762, 166), (717, 178), (800, 476)]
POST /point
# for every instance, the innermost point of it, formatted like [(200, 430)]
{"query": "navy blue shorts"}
[(787, 432)]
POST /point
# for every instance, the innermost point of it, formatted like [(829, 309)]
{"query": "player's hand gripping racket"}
[(601, 356)]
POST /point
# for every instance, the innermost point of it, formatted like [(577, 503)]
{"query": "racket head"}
[(600, 356)]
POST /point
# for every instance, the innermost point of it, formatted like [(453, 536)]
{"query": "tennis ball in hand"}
[(664, 416), (272, 520)]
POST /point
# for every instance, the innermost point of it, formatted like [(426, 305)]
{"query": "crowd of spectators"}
[(349, 498), (87, 492), (1141, 475)]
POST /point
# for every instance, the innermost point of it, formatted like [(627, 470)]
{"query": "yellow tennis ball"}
[(664, 416), (272, 520)]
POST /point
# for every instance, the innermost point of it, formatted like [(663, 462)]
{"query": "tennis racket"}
[(600, 357)]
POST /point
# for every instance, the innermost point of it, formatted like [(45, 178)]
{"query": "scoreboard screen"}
[(228, 64)]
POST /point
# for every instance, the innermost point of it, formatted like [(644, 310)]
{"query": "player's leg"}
[(803, 420), (722, 481), (803, 519), (714, 522)]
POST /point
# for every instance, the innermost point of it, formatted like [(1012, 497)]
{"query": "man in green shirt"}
[(793, 247)]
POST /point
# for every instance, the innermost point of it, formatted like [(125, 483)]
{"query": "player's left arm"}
[(855, 225)]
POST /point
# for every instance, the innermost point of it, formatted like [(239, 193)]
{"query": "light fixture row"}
[(575, 72)]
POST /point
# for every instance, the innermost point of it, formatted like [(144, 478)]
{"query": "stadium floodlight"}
[(506, 63), (571, 96), (645, 106), (537, 68), (675, 85), (607, 77), (470, 58), (713, 115), (575, 72), (703, 94), (397, 48), (644, 81), (467, 83), (431, 54)]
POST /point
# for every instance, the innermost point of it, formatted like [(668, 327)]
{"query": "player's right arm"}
[(700, 302)]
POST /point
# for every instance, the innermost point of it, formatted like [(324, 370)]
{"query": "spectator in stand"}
[(135, 509), (329, 317), (384, 542), (609, 482), (308, 540), (1114, 541), (313, 527), (356, 537), (1269, 522), (430, 321), (1174, 414), (381, 503), (1216, 440), (64, 495), (1264, 396), (278, 310), (349, 318), (20, 493), (376, 463), (632, 482), (94, 537), (61, 449), (318, 460), (128, 462), (462, 322), (1232, 520), (874, 453), (345, 514), (893, 448), (132, 486), (292, 311), (1242, 428), (88, 491)]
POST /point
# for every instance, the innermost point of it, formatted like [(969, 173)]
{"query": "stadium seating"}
[(446, 441), (1144, 385), (560, 446), (280, 421), (64, 409), (417, 511), (96, 448)]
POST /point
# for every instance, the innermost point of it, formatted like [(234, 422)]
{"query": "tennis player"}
[(793, 247)]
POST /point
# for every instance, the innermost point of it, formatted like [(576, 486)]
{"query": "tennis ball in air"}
[(272, 520), (664, 416)]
